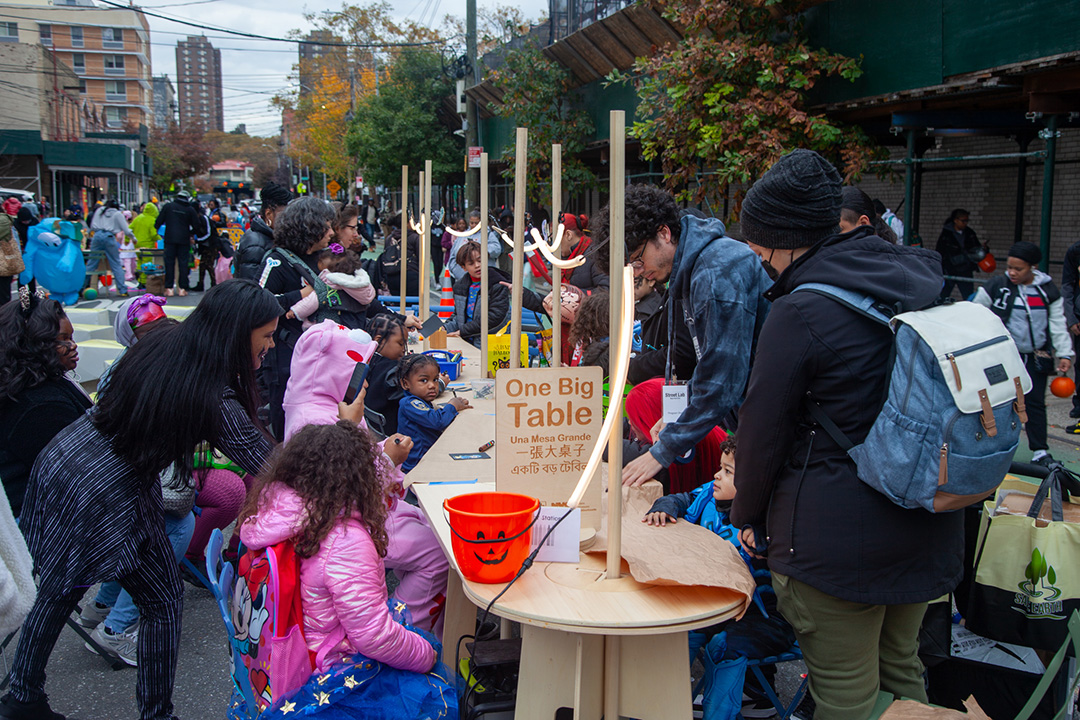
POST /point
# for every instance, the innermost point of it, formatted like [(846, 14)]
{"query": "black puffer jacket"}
[(252, 248), (827, 528)]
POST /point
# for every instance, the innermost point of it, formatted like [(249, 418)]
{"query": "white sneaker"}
[(93, 614), (124, 645)]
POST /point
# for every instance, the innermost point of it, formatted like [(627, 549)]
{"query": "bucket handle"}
[(528, 527)]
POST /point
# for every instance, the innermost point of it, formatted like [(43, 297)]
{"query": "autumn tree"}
[(177, 154), (537, 95), (730, 97), (403, 124)]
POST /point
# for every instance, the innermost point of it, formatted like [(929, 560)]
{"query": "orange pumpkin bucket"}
[(490, 533)]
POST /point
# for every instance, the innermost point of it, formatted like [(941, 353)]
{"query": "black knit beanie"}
[(794, 204), (1028, 252)]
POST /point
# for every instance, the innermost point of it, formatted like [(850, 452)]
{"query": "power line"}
[(269, 37)]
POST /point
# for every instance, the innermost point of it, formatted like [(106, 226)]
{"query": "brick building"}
[(108, 49), (198, 72)]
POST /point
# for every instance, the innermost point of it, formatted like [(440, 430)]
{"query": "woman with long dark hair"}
[(93, 509), (37, 399), (291, 271)]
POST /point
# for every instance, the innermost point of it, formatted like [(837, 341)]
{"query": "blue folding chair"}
[(221, 577), (754, 665)]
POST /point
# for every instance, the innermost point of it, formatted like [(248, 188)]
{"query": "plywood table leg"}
[(460, 619), (654, 676), (612, 679), (589, 677), (547, 680)]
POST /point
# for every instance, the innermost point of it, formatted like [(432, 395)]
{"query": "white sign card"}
[(676, 398), (563, 544)]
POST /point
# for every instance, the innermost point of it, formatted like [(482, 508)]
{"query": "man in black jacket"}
[(852, 570), (258, 240), (181, 223)]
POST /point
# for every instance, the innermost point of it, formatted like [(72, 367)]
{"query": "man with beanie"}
[(1030, 305), (181, 223), (716, 287), (853, 571), (259, 238)]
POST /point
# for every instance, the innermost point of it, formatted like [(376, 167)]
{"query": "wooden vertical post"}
[(519, 243), (420, 202), (611, 668), (404, 232), (425, 243), (616, 252), (484, 329), (556, 272)]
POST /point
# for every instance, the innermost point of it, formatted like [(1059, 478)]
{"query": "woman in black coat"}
[(37, 398), (290, 271), (93, 510)]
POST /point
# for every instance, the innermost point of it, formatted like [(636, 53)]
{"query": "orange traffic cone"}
[(446, 299)]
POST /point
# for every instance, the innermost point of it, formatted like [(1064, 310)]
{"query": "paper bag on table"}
[(911, 710), (674, 554)]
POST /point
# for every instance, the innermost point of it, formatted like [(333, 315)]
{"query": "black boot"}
[(12, 709)]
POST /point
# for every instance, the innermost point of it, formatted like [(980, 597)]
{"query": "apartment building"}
[(198, 72), (107, 48), (164, 102)]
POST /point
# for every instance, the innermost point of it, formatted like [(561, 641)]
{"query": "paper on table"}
[(564, 543), (672, 555), (911, 710)]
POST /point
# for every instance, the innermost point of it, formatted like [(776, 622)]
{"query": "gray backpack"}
[(951, 420)]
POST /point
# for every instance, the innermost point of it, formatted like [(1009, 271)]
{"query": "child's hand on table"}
[(658, 518), (397, 448), (460, 404)]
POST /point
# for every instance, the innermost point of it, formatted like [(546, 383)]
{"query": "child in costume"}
[(417, 417), (323, 363), (760, 633), (324, 494)]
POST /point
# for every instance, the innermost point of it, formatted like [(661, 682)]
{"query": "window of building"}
[(115, 90), (9, 32), (114, 64), (112, 38), (115, 117), (82, 86), (78, 62), (45, 33), (76, 36)]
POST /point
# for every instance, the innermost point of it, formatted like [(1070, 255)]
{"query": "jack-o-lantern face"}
[(492, 558)]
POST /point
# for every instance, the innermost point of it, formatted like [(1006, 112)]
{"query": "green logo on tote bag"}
[(1038, 594)]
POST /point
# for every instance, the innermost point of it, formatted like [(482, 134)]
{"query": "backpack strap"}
[(862, 304)]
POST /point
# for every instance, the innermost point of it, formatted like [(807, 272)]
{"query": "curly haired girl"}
[(323, 493)]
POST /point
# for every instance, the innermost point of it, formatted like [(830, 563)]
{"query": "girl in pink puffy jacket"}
[(322, 493)]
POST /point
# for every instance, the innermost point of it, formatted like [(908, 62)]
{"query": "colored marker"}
[(487, 446)]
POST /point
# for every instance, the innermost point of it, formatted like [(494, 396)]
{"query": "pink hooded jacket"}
[(322, 365), (343, 587)]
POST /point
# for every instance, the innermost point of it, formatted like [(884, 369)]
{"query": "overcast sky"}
[(253, 71)]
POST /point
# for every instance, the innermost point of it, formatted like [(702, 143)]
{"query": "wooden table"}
[(580, 632)]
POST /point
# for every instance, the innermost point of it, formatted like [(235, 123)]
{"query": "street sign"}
[(334, 187), (359, 182), (474, 156)]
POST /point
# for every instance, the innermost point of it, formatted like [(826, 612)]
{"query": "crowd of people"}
[(264, 371)]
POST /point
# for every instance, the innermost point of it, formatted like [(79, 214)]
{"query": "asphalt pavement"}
[(81, 684)]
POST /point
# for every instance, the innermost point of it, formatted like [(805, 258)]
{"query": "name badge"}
[(676, 398)]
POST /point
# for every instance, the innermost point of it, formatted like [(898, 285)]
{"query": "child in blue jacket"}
[(760, 633), (417, 417)]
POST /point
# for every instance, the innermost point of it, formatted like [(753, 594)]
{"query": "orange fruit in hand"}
[(1062, 386)]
